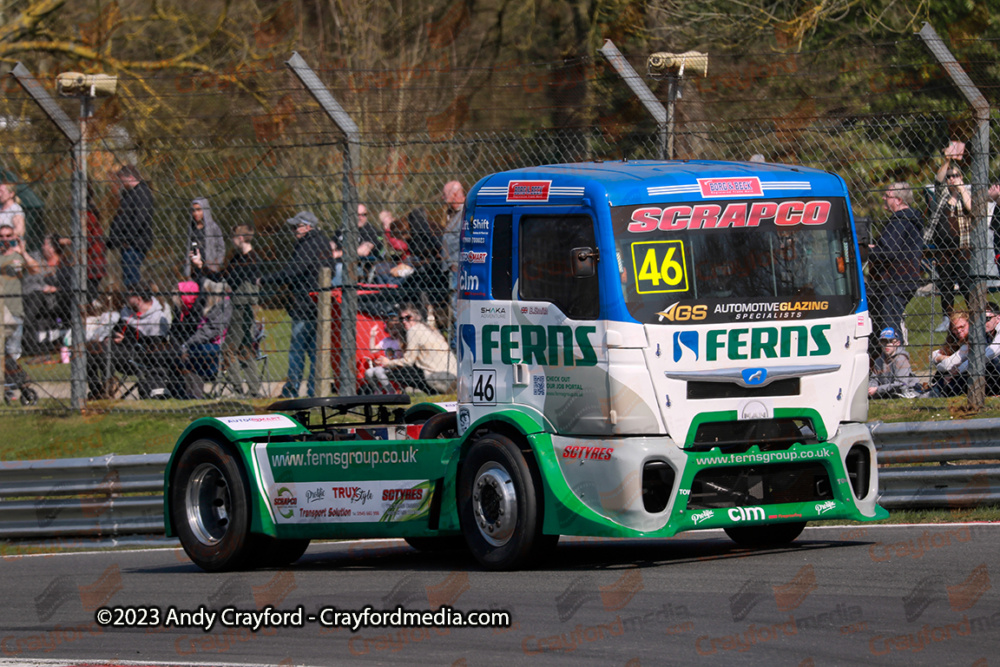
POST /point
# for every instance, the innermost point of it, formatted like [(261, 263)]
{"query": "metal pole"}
[(673, 87), (352, 158), (324, 304), (979, 150), (78, 359), (349, 286), (642, 91)]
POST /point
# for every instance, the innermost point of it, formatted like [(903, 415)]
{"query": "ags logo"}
[(289, 501), (679, 313)]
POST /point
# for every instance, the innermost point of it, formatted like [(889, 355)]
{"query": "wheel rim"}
[(208, 504), (494, 502)]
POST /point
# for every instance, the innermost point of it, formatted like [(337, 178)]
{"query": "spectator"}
[(427, 364), (376, 379), (894, 261), (960, 359), (131, 230), (140, 339), (14, 264), (950, 230), (892, 377), (424, 244), (48, 298), (369, 246), (241, 274), (454, 198), (394, 268), (186, 313), (399, 247), (205, 236), (97, 260), (300, 275), (950, 378), (199, 352), (11, 212)]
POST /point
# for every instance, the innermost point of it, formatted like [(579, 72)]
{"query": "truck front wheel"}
[(499, 496), (762, 537)]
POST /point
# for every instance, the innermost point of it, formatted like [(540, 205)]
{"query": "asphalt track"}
[(901, 595)]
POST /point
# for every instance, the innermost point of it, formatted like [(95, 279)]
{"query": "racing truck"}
[(644, 348)]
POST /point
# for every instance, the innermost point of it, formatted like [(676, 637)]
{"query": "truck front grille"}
[(745, 486)]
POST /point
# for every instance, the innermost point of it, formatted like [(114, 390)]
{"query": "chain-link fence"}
[(174, 308)]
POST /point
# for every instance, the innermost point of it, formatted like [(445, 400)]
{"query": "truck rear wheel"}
[(499, 496), (210, 507), (441, 425), (757, 537)]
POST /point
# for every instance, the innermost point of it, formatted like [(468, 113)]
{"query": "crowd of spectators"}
[(171, 340)]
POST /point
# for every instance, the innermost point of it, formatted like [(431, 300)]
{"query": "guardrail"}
[(94, 497), (944, 485), (123, 495)]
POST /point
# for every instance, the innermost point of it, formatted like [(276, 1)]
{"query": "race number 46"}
[(658, 267), (484, 387)]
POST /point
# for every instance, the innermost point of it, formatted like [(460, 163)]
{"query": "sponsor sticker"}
[(352, 502), (704, 515), (528, 190), (731, 187), (474, 257), (823, 508), (257, 422)]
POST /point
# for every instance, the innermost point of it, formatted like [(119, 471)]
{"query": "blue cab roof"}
[(648, 181)]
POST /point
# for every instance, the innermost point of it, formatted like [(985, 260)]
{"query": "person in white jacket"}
[(951, 359)]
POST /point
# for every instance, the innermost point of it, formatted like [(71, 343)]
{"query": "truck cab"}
[(691, 335)]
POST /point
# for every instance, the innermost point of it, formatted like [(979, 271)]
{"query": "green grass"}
[(41, 436)]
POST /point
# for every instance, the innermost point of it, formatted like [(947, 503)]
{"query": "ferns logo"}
[(468, 336), (685, 340)]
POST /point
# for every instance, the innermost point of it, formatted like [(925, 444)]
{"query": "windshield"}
[(736, 260)]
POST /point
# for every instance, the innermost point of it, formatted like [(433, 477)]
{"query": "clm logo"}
[(747, 513)]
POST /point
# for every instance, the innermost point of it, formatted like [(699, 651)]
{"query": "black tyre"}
[(210, 507), (438, 544), (760, 537), (441, 425), (499, 502)]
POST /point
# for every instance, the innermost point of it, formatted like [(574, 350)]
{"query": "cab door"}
[(555, 346)]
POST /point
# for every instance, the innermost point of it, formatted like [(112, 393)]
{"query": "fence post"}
[(324, 304), (352, 158), (645, 95), (979, 150), (78, 383)]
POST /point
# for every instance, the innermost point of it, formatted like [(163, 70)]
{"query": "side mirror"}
[(584, 261)]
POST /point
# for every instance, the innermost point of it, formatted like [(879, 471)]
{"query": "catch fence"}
[(260, 151)]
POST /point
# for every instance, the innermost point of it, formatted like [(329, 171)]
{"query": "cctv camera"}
[(74, 84)]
